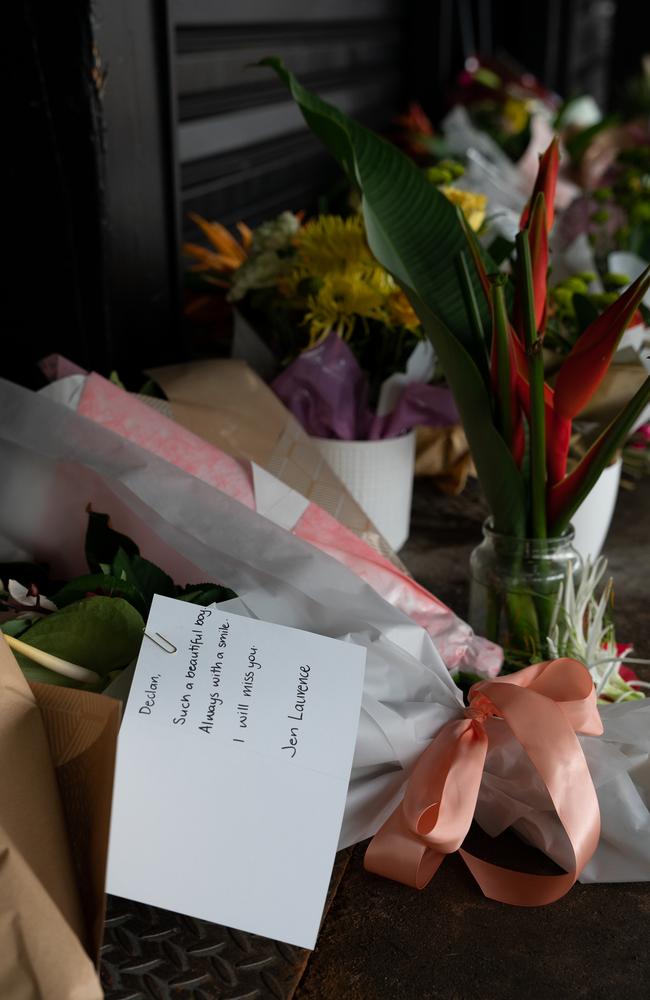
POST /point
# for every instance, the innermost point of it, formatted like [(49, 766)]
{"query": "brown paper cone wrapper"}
[(57, 748), (443, 454)]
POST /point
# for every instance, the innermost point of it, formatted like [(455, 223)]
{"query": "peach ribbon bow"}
[(544, 706)]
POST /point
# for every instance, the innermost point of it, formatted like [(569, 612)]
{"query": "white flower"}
[(264, 262), (22, 596), (276, 234)]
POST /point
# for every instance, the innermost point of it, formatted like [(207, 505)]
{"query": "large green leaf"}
[(415, 232), (499, 476), (99, 633), (144, 575), (100, 585)]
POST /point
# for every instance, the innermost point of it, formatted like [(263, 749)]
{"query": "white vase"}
[(379, 475), (592, 519)]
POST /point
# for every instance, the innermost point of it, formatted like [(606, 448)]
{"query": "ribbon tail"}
[(397, 853), (517, 888), (544, 728)]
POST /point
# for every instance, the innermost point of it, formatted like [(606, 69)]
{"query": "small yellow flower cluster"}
[(335, 281), (471, 204), (515, 115)]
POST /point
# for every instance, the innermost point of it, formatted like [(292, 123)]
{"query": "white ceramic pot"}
[(379, 475), (592, 519)]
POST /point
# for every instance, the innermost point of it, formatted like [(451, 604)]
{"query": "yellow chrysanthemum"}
[(402, 312), (471, 204), (330, 243), (333, 279), (342, 297)]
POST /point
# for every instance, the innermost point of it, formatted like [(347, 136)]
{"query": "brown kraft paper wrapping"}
[(57, 747), (443, 453)]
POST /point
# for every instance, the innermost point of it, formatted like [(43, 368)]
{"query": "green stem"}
[(502, 352), (536, 382), (471, 307)]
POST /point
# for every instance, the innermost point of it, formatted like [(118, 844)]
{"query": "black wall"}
[(131, 113), (243, 148)]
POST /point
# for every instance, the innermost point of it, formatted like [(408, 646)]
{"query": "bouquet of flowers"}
[(109, 453), (335, 321), (488, 332), (502, 102), (90, 628), (614, 211)]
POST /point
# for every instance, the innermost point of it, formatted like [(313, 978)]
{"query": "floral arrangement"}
[(488, 331), (415, 134), (328, 278), (89, 628), (417, 138), (336, 321), (502, 102), (612, 164), (298, 281), (620, 218)]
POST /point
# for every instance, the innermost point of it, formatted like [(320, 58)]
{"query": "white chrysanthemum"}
[(276, 234), (264, 262)]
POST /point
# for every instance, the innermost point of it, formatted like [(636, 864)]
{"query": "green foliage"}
[(413, 230), (100, 617), (99, 633), (125, 573), (103, 542), (417, 235), (100, 584), (16, 627)]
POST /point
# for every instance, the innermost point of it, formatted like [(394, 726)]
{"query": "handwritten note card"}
[(233, 765)]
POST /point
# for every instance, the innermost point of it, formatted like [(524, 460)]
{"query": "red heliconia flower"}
[(586, 364), (563, 494), (558, 442), (518, 442), (584, 369), (545, 183), (538, 243)]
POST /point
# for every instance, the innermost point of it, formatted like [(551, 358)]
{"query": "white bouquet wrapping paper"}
[(55, 462)]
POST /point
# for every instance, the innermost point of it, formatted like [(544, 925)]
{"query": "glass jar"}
[(514, 588)]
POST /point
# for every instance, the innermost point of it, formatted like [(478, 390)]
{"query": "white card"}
[(233, 764)]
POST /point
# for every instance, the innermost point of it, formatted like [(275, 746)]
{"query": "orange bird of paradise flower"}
[(227, 254)]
